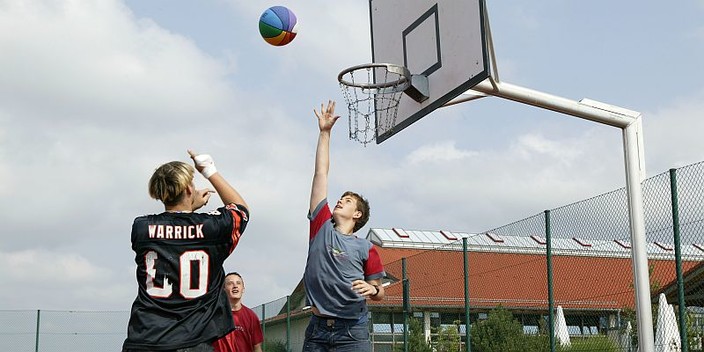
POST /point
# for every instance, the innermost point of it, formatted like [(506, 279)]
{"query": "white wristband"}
[(207, 164), (209, 171)]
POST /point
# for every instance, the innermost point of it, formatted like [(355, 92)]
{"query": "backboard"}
[(441, 39)]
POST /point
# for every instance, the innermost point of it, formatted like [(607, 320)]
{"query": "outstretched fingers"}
[(326, 111)]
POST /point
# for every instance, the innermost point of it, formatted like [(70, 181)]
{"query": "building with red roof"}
[(592, 281)]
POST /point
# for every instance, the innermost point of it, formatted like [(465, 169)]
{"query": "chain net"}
[(372, 93)]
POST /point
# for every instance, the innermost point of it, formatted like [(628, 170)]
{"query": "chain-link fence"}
[(556, 281), (562, 279), (62, 331)]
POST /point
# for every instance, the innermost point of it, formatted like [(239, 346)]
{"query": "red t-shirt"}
[(247, 333)]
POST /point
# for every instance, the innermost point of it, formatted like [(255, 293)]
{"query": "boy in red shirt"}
[(247, 336)]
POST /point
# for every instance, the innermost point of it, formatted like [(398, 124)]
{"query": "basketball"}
[(278, 26)]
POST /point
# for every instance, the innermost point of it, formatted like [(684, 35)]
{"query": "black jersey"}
[(179, 256)]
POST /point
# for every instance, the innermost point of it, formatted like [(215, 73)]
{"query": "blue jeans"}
[(336, 335)]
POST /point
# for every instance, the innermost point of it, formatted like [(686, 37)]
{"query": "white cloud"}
[(474, 190), (46, 279), (672, 133), (93, 100), (93, 62), (441, 152), (536, 146), (93, 97), (37, 265)]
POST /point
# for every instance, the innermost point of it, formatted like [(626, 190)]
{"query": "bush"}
[(449, 339), (537, 342), (499, 333)]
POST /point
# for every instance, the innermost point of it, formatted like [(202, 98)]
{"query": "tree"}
[(416, 338), (449, 338), (498, 333)]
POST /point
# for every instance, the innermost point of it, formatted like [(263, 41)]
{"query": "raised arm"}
[(205, 165), (326, 119)]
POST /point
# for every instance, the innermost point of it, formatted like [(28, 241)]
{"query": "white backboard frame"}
[(442, 39)]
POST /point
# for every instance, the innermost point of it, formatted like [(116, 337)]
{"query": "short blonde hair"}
[(169, 182)]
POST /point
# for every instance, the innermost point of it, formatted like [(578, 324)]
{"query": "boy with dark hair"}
[(342, 270)]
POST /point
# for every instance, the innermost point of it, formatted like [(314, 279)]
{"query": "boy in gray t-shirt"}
[(342, 270)]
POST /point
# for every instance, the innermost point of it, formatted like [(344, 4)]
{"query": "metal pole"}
[(678, 258), (634, 159), (36, 336), (555, 103), (264, 321), (631, 125), (551, 300), (632, 140), (406, 304), (288, 323), (467, 343)]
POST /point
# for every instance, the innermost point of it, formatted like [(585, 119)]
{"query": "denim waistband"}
[(331, 321)]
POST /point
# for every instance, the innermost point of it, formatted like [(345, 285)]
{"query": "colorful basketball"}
[(277, 25)]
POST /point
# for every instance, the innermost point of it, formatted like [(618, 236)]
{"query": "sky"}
[(94, 95)]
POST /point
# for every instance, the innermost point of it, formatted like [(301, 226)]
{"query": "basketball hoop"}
[(372, 90)]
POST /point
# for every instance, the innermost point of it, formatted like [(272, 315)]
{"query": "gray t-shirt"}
[(334, 261)]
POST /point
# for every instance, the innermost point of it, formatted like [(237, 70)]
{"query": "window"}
[(624, 244), (582, 242), (531, 325), (574, 330), (494, 237), (451, 318), (387, 330), (540, 240), (448, 235), (530, 329), (400, 233), (398, 323), (381, 323), (664, 246), (434, 321)]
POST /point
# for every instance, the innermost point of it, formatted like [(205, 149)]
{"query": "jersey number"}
[(185, 261)]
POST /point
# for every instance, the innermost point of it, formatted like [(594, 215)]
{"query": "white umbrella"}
[(629, 331), (667, 336), (563, 336)]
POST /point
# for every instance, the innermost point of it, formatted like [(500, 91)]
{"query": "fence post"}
[(468, 348), (551, 300), (263, 323), (288, 323), (36, 336), (406, 304), (678, 258)]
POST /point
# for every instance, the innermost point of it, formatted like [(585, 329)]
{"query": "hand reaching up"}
[(326, 116)]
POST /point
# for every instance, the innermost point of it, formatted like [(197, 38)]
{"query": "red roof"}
[(517, 281)]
